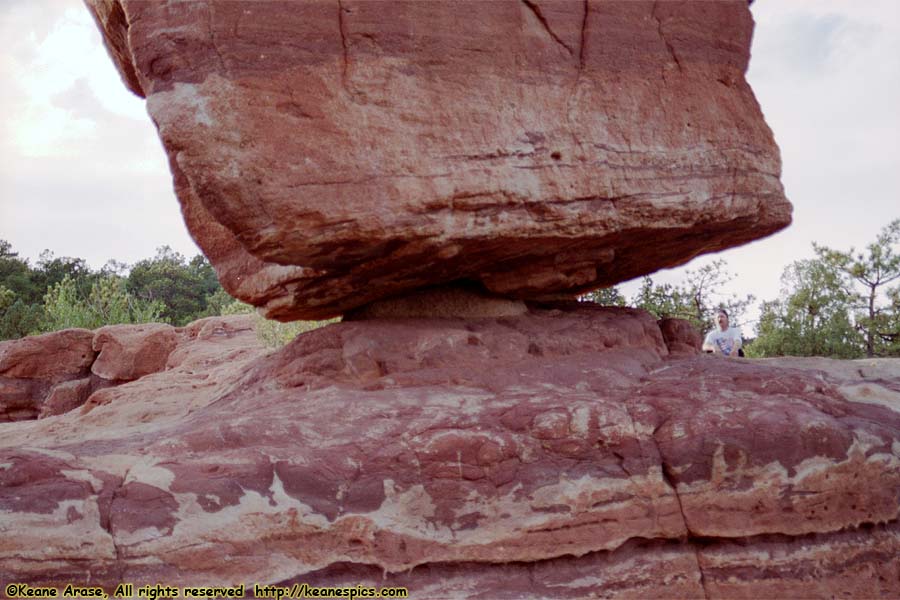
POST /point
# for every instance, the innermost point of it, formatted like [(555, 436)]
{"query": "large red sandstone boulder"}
[(558, 453), (128, 352), (56, 356), (32, 366), (327, 155), (681, 336), (67, 396)]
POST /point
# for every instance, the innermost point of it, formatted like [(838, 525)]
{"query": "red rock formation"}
[(128, 352), (681, 337), (52, 374), (32, 366), (68, 396), (559, 453), (342, 155), (331, 154)]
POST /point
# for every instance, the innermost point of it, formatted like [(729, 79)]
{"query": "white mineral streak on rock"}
[(83, 475), (184, 98), (812, 478), (70, 532), (146, 470), (872, 393)]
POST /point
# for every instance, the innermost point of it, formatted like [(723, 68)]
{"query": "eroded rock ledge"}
[(565, 447)]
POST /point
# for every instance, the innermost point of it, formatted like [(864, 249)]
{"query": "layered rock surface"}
[(34, 367), (51, 374), (562, 452), (330, 154)]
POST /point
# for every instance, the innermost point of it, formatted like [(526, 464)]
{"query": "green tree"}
[(52, 269), (108, 303), (662, 299), (20, 295), (810, 318), (20, 319), (609, 296), (696, 299), (17, 276), (220, 302), (867, 275), (182, 287), (7, 298), (890, 333)]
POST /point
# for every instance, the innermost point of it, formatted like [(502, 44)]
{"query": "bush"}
[(108, 303), (274, 334), (19, 319)]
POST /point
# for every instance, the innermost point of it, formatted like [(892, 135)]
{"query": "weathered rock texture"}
[(32, 366), (129, 352), (329, 154), (559, 453), (680, 336), (51, 374)]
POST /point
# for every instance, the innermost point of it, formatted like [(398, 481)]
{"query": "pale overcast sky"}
[(83, 172)]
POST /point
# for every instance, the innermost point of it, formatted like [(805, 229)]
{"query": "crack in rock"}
[(342, 28), (662, 35), (535, 9)]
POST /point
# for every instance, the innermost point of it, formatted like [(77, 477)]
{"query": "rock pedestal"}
[(563, 452)]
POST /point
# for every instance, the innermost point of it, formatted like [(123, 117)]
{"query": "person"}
[(723, 340)]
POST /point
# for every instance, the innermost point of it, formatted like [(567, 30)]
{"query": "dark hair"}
[(723, 311)]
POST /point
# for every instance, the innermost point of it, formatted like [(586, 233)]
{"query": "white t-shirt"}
[(724, 342)]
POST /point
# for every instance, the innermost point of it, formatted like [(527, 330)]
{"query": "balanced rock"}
[(558, 453), (330, 154)]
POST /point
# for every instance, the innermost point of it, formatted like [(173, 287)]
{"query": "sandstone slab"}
[(31, 366), (66, 396), (128, 352), (563, 452), (330, 154), (681, 337), (55, 356)]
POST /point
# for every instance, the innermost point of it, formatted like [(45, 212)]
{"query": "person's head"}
[(722, 319)]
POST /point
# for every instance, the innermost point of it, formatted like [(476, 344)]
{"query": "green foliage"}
[(866, 277), (167, 287), (220, 302), (52, 270), (19, 319), (811, 317), (7, 297), (610, 296), (20, 295), (275, 334), (236, 307), (662, 300), (107, 303), (183, 288), (17, 277), (696, 299), (889, 331)]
